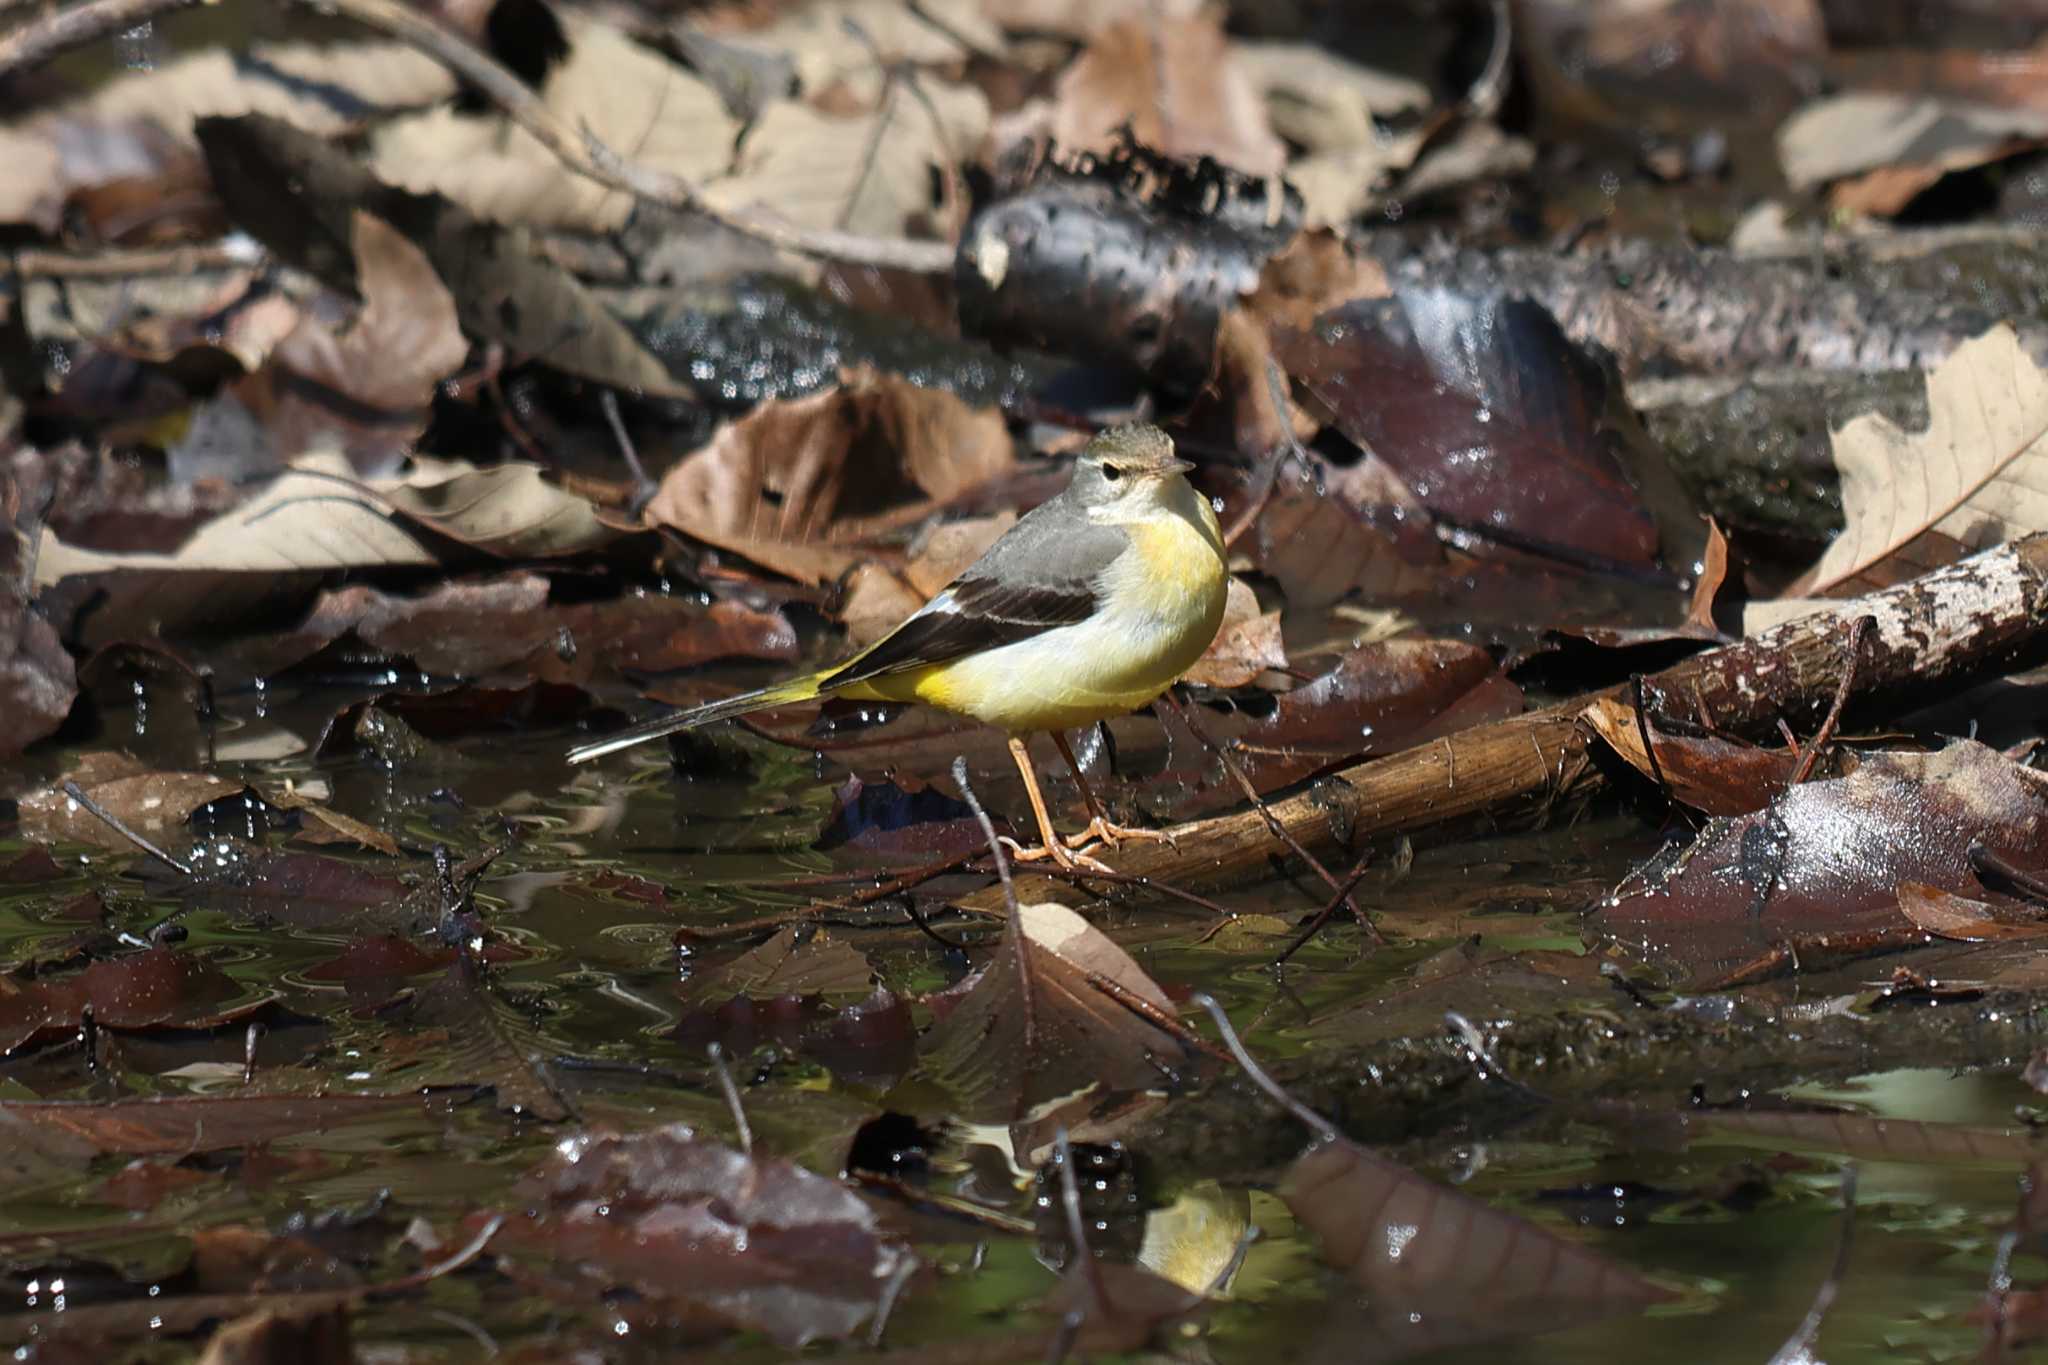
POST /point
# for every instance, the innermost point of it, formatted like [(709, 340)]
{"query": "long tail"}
[(782, 694)]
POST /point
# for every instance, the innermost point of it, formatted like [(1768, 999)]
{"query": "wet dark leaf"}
[(157, 988), (1499, 424), (1438, 1267), (1830, 857), (665, 1213), (797, 962), (1058, 1009)]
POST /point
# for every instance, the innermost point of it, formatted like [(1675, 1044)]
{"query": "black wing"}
[(972, 615)]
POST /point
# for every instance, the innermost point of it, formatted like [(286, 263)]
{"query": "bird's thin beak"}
[(1173, 464)]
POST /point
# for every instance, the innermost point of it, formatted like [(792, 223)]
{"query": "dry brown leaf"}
[(871, 173), (1247, 644), (151, 801), (1977, 475), (388, 361), (638, 103), (1042, 1020), (1311, 275), (1179, 86), (940, 555), (1079, 19), (325, 825), (1945, 914), (796, 485), (117, 132)]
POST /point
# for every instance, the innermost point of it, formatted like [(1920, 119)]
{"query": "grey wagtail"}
[(1089, 607)]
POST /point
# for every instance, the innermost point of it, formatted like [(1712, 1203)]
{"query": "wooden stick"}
[(60, 30), (1931, 637)]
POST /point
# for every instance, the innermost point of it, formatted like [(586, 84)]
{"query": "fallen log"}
[(1932, 636)]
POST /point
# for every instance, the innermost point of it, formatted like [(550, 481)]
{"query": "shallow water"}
[(1741, 1228)]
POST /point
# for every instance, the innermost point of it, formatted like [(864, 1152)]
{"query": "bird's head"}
[(1130, 467)]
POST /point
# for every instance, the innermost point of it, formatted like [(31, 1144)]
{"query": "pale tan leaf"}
[(638, 103), (1081, 18), (512, 511), (1978, 474), (1178, 85), (1322, 102), (1861, 131), (871, 173), (103, 137), (816, 41)]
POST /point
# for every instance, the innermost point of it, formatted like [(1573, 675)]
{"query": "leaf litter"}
[(477, 436)]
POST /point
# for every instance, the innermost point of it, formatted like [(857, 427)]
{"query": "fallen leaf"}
[(298, 195), (672, 1216), (1945, 914), (325, 825), (1828, 858), (143, 116), (812, 40), (1177, 84), (1498, 423), (313, 518), (1438, 1267), (384, 367), (1247, 644), (1057, 1010), (876, 173), (186, 1124), (1974, 477), (1861, 131), (810, 963), (1709, 773), (151, 801), (638, 103), (797, 484), (155, 988)]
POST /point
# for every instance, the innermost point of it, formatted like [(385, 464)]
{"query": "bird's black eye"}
[(1112, 472)]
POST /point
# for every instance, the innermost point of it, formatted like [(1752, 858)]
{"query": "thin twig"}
[(643, 487), (1322, 916), (1643, 734), (1268, 476), (1265, 811), (1483, 97), (732, 1097), (47, 35), (988, 830), (1858, 629), (1257, 1074), (122, 263), (1798, 1347), (584, 153), (120, 827)]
